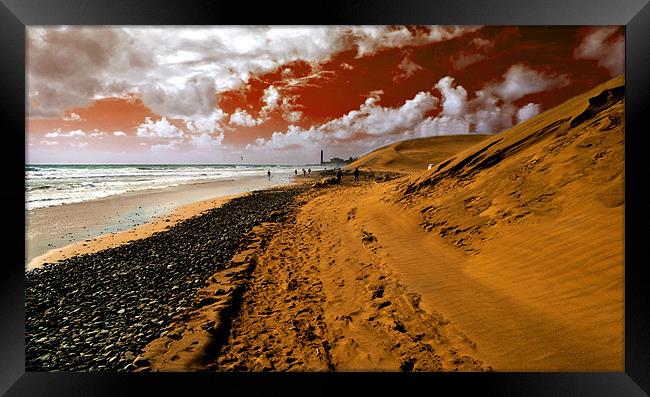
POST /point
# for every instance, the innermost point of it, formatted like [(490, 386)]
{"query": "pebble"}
[(80, 302)]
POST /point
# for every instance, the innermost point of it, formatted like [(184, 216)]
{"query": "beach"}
[(506, 255), (55, 232)]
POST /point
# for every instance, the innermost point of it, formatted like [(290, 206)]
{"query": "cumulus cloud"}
[(241, 118), (528, 111), (207, 123), (60, 134), (78, 145), (371, 120), (159, 129), (49, 143), (407, 68), (454, 99), (119, 133), (206, 140), (520, 80), (605, 46), (488, 111), (271, 98)]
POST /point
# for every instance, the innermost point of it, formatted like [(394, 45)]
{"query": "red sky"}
[(279, 95)]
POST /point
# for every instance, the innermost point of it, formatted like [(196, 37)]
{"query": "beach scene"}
[(325, 198)]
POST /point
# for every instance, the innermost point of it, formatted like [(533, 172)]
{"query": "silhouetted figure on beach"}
[(269, 174), (304, 173), (339, 175), (309, 170), (296, 171), (356, 174)]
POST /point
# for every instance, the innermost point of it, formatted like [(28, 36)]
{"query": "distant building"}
[(336, 160), (321, 156)]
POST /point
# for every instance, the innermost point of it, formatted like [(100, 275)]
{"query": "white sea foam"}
[(49, 185)]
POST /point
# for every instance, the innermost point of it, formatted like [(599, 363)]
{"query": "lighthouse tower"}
[(321, 157)]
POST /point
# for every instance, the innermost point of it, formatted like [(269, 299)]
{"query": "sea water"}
[(49, 185)]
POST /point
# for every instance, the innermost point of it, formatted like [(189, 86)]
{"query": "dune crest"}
[(539, 211)]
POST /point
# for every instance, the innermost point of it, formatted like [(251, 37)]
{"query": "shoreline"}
[(58, 232), (157, 224)]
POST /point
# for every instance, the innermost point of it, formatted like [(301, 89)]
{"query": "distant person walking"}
[(304, 173), (356, 174), (268, 172), (309, 170), (339, 175), (296, 171)]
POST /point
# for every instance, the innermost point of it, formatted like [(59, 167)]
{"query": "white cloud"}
[(371, 119), (606, 47), (72, 117), (49, 143), (521, 80), (408, 68), (206, 140), (242, 118), (528, 111), (78, 145), (166, 147), (293, 116), (179, 71), (70, 134), (207, 123), (119, 133), (159, 129), (370, 39), (270, 98), (454, 99), (464, 60)]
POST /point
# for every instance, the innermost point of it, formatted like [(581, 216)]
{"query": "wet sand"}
[(57, 232)]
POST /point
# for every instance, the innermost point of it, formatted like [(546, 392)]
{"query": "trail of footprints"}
[(305, 323)]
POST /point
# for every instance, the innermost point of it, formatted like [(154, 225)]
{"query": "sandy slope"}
[(539, 211), (509, 255), (416, 154)]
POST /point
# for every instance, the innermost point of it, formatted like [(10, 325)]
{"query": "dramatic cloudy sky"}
[(280, 94)]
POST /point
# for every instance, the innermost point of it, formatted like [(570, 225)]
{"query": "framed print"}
[(369, 196)]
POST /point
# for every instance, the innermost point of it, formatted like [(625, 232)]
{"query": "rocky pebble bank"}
[(96, 312)]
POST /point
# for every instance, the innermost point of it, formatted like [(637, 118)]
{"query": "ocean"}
[(50, 185)]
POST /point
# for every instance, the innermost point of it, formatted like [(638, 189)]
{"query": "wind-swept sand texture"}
[(539, 211), (509, 256)]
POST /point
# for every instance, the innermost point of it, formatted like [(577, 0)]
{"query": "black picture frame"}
[(15, 15)]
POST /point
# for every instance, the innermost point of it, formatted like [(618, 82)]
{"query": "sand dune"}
[(538, 210), (414, 155), (509, 255)]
